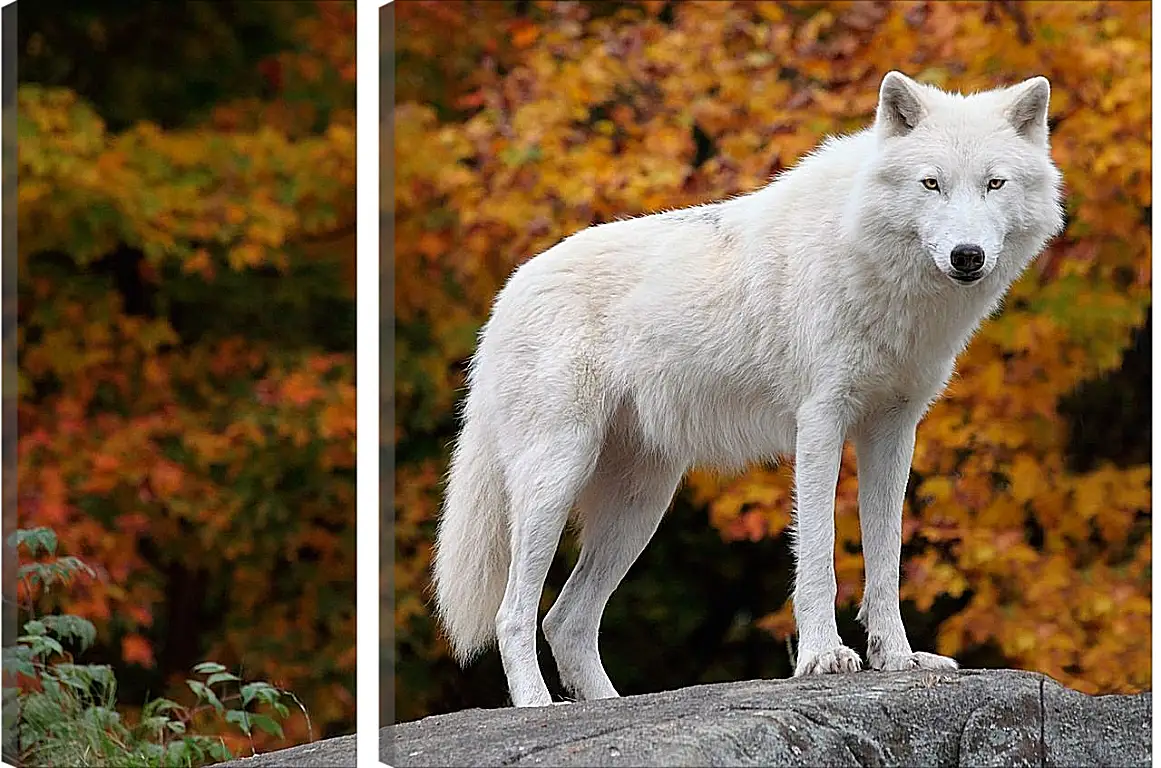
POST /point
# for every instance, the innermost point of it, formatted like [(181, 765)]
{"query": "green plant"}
[(57, 712)]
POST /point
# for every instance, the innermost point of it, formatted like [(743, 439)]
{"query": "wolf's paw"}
[(535, 699), (831, 661), (897, 662)]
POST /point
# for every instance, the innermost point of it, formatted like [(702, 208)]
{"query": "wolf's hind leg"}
[(621, 508), (543, 484)]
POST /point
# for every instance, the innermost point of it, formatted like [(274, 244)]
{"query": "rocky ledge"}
[(969, 717)]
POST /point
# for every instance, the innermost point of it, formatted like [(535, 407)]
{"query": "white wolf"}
[(830, 304)]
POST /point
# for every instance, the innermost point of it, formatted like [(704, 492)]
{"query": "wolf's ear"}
[(900, 105), (1028, 109)]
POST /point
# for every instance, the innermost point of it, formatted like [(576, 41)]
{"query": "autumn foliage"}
[(580, 113), (186, 370)]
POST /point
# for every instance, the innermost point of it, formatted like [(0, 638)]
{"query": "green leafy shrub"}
[(58, 712)]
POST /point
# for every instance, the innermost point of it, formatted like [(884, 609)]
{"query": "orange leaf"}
[(166, 478), (135, 649), (524, 34)]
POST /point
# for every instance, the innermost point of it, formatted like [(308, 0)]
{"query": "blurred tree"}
[(186, 333), (186, 56), (1027, 541)]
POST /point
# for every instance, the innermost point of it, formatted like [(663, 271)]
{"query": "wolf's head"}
[(969, 179)]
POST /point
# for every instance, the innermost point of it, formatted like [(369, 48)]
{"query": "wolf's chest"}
[(878, 370)]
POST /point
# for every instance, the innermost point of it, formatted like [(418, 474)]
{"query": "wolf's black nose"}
[(967, 259)]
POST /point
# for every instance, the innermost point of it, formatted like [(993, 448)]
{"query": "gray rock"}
[(338, 752), (971, 717)]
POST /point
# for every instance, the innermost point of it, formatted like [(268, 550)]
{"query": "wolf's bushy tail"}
[(472, 553)]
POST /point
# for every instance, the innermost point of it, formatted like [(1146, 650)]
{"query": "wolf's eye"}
[(994, 184), (930, 183)]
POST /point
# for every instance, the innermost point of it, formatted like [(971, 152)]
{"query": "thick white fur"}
[(816, 309)]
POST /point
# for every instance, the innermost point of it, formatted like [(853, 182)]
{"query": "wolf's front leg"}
[(818, 452), (884, 448)]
